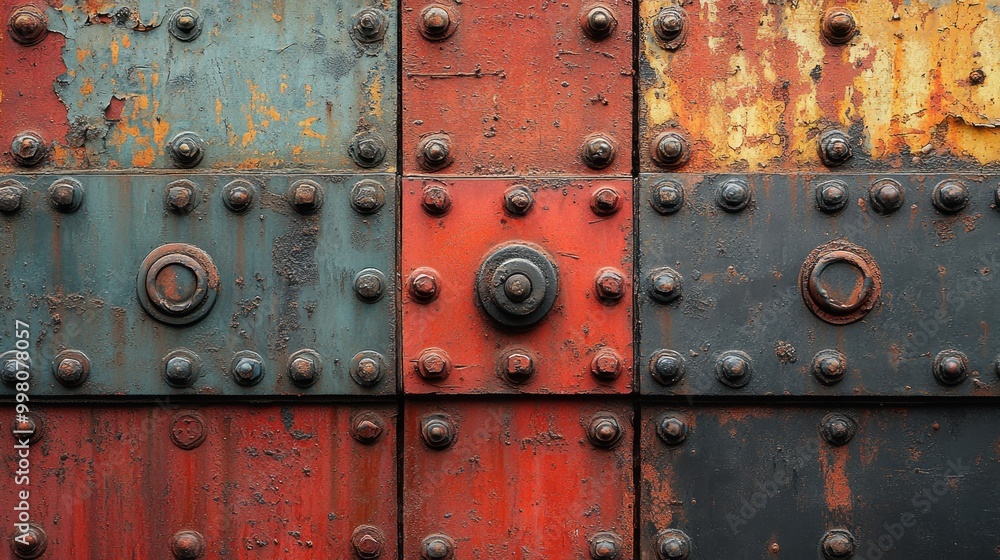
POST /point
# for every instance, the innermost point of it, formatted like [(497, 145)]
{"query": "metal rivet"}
[(238, 195), (670, 149), (598, 151), (423, 284), (435, 199), (437, 547), (832, 196), (665, 284), (839, 26), (28, 149), (187, 545), (605, 546), (829, 366), (367, 149), (367, 196), (27, 25), (247, 368), (950, 196), (369, 285), (672, 544), (188, 430), (28, 424), (609, 285), (186, 24), (838, 544), (518, 200), (66, 195), (666, 197), (606, 365), (367, 367), (31, 543), (951, 367), (368, 542), (671, 430), (12, 195), (598, 22), (886, 196), (604, 430), (436, 22), (12, 369), (433, 364), (833, 298), (666, 367), (434, 152), (834, 148), (186, 149), (177, 284), (304, 367), (605, 201), (733, 368), (977, 77), (367, 426), (181, 368), (517, 366), (437, 431), (370, 25), (837, 429), (71, 367), (182, 196), (517, 285), (733, 195), (670, 27), (305, 196)]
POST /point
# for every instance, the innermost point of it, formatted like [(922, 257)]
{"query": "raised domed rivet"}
[(598, 22), (188, 545), (838, 544), (247, 368), (733, 195), (670, 149), (27, 25), (304, 368), (28, 149), (886, 196), (434, 152), (370, 25), (238, 195), (837, 429), (665, 284), (832, 196), (829, 366), (437, 431), (666, 367), (66, 195), (185, 24), (437, 547), (733, 368), (671, 430), (605, 546), (670, 27), (666, 197), (369, 285), (839, 25), (518, 200), (31, 543), (71, 367), (950, 196), (672, 544), (835, 148), (436, 22), (604, 430), (598, 151), (951, 367)]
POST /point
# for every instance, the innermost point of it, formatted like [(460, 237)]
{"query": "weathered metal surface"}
[(752, 85), (253, 481), (789, 284), (222, 284), (518, 479), (517, 286), (517, 89), (765, 482), (264, 86)]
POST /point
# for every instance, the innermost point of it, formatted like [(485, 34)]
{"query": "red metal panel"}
[(265, 482), (516, 87), (582, 332), (519, 480)]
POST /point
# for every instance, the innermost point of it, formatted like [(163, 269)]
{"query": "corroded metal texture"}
[(251, 481), (884, 271), (754, 84), (236, 285), (517, 89), (517, 286), (517, 479), (771, 482), (281, 85)]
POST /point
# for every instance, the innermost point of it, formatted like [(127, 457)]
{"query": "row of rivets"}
[(518, 200), (674, 544), (515, 365), (438, 431), (437, 22), (885, 196), (603, 546), (182, 196), (424, 285), (434, 151), (670, 149), (837, 429)]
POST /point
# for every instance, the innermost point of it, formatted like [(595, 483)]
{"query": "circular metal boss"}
[(517, 285), (177, 284), (830, 296)]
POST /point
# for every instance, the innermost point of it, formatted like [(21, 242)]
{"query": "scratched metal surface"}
[(266, 85), (741, 291), (286, 282)]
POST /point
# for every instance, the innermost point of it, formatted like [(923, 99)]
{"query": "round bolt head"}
[(598, 22), (434, 152), (27, 149), (31, 543), (829, 366), (304, 368), (977, 77), (437, 431), (669, 27), (238, 196), (839, 26), (838, 544), (518, 366), (666, 197), (667, 367), (366, 368), (598, 152), (182, 197), (886, 196), (433, 364), (832, 196), (305, 196), (367, 149), (186, 149), (437, 547), (370, 285), (733, 195), (11, 196), (605, 201), (367, 427), (247, 368), (672, 544), (517, 287), (610, 285), (185, 24), (29, 424), (837, 429), (518, 200), (180, 369), (423, 285), (188, 545), (368, 542), (367, 196), (665, 285), (370, 25), (66, 195), (71, 368), (605, 546), (950, 196), (27, 25), (604, 430), (835, 148), (436, 22), (671, 430), (951, 367), (606, 365), (436, 200), (733, 368), (670, 149)]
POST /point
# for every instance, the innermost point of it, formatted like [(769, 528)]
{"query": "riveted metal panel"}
[(447, 312), (517, 88), (763, 482), (264, 86), (520, 479), (785, 282), (752, 85), (283, 281), (254, 481)]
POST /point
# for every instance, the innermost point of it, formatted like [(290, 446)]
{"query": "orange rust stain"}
[(160, 130), (88, 86), (114, 51), (83, 54), (737, 415), (126, 41), (836, 488)]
